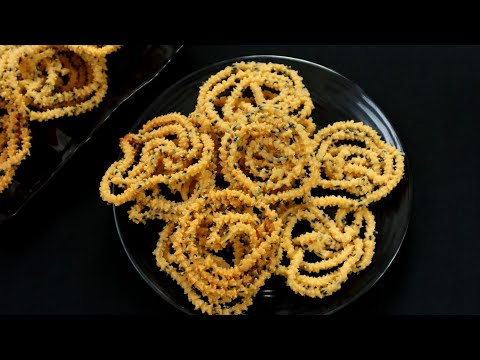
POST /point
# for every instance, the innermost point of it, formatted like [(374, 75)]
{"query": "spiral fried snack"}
[(336, 246), (354, 158), (247, 87), (221, 252), (167, 150), (269, 157), (43, 82), (14, 143), (54, 81)]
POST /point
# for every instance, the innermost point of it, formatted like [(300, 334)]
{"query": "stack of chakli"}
[(234, 177)]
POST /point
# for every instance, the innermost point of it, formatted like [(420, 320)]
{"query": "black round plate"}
[(335, 98)]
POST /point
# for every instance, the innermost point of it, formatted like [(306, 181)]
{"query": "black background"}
[(61, 254)]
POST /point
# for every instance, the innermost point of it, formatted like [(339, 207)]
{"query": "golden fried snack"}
[(221, 251), (247, 87), (337, 247), (34, 75), (270, 158), (73, 66), (151, 203), (167, 150), (354, 158), (94, 50), (14, 143)]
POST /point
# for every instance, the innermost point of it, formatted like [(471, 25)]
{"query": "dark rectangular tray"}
[(54, 142)]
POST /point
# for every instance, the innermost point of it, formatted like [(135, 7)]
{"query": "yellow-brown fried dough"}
[(354, 158), (167, 150), (15, 143), (221, 251), (336, 246)]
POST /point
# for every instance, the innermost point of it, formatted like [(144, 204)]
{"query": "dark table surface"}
[(61, 254)]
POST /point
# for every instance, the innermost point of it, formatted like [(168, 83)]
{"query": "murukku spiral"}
[(168, 150), (354, 158), (247, 87), (44, 82), (335, 245), (222, 250), (269, 157), (38, 74)]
